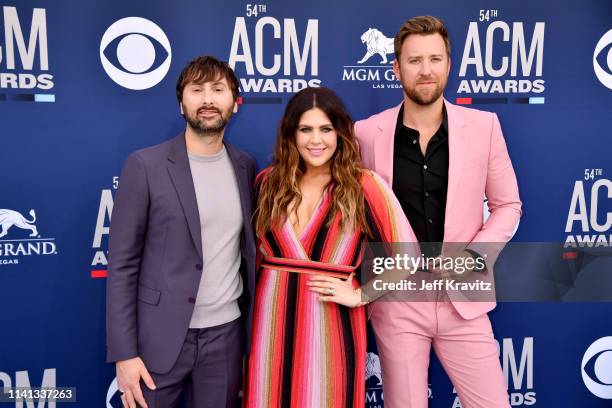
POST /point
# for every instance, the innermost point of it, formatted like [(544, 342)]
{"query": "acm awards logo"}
[(291, 60), (374, 68), (22, 381), (502, 58), (135, 53), (518, 371), (589, 221), (24, 59), (19, 237), (596, 368), (99, 245)]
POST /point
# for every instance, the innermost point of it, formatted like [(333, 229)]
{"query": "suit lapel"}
[(384, 143), (242, 178), (180, 173), (457, 150)]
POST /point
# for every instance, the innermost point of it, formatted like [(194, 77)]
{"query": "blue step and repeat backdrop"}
[(83, 84)]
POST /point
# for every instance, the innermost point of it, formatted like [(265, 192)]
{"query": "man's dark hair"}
[(206, 69), (421, 25)]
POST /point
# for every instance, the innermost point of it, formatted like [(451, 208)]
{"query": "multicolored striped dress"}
[(307, 353)]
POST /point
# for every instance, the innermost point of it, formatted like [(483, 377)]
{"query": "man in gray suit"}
[(182, 256)]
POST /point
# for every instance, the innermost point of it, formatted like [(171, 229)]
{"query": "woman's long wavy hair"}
[(280, 188)]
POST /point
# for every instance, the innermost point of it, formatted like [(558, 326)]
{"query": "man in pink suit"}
[(441, 161)]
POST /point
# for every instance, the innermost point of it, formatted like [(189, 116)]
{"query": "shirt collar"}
[(443, 125)]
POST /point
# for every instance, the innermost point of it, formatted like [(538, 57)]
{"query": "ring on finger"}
[(330, 291)]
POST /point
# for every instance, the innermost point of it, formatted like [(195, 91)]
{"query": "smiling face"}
[(208, 106), (423, 67), (316, 139)]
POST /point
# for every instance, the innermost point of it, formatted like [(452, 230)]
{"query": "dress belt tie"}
[(307, 266)]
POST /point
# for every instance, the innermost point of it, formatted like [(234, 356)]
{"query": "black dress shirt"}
[(420, 181)]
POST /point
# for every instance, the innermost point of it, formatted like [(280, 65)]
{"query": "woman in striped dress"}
[(316, 208)]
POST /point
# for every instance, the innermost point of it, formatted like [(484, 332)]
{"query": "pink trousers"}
[(406, 332)]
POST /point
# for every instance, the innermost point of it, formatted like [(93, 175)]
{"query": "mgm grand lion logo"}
[(376, 43), (11, 250), (10, 218), (373, 367)]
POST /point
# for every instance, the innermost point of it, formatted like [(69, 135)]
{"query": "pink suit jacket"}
[(479, 165)]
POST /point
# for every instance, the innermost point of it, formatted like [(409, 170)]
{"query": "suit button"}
[(191, 300), (429, 220), (199, 267)]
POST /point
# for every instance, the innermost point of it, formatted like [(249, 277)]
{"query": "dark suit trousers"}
[(208, 369)]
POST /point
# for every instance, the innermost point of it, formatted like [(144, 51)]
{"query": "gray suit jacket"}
[(155, 253)]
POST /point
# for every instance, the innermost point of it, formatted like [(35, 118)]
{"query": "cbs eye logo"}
[(131, 48), (603, 57), (597, 368), (112, 395)]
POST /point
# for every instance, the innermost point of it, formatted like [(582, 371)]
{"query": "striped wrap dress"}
[(307, 353)]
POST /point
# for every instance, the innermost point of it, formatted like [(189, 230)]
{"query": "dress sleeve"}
[(391, 233), (386, 218)]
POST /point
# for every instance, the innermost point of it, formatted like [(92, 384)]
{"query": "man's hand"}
[(129, 373)]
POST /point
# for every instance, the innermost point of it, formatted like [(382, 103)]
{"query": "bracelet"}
[(361, 296)]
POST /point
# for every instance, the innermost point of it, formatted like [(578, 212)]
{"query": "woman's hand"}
[(336, 290)]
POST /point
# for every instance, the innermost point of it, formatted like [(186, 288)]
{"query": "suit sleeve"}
[(127, 237), (502, 194), (357, 132), (252, 169)]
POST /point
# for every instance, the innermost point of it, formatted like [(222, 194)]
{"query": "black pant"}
[(208, 369)]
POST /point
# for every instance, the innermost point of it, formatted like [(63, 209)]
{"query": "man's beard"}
[(425, 98), (214, 128)]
